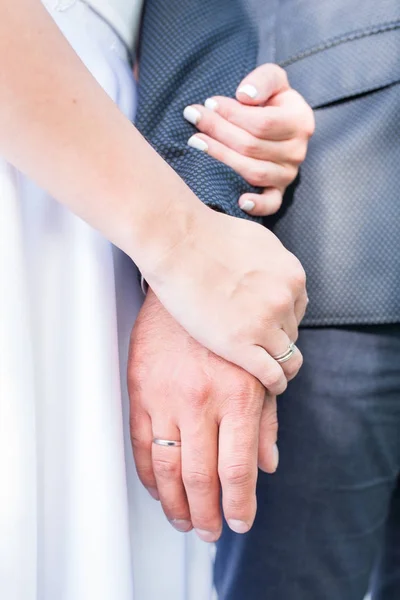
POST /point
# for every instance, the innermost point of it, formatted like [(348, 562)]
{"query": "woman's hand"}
[(234, 287), (263, 135)]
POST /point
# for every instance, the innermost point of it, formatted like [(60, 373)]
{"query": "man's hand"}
[(221, 414), (263, 135)]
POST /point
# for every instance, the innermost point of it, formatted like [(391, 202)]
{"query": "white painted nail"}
[(192, 115), (198, 143), (211, 104), (238, 526), (247, 205), (249, 90)]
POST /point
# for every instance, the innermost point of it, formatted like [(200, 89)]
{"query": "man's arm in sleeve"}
[(192, 49)]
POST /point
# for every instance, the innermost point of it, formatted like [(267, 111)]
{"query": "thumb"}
[(268, 455), (261, 84)]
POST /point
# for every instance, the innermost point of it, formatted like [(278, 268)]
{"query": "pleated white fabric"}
[(75, 523)]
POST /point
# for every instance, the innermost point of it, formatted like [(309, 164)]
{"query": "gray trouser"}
[(330, 516)]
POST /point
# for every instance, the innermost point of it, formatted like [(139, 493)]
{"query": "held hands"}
[(263, 135), (225, 422), (235, 289)]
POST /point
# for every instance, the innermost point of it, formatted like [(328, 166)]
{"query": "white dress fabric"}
[(75, 523)]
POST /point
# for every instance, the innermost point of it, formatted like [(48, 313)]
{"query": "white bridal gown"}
[(75, 523)]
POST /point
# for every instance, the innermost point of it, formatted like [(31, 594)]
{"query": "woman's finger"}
[(168, 472), (268, 123), (200, 475), (279, 343), (220, 129), (257, 172), (267, 203), (261, 84)]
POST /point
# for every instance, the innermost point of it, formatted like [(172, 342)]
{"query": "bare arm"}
[(59, 127)]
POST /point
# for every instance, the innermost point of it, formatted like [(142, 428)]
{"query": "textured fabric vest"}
[(190, 50), (342, 215)]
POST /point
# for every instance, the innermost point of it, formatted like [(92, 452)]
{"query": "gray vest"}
[(342, 215)]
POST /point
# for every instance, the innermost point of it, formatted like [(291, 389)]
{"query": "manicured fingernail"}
[(247, 205), (153, 493), (207, 536), (198, 143), (276, 456), (211, 104), (181, 525), (249, 90), (238, 526), (192, 115)]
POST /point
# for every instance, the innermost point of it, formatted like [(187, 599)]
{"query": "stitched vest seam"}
[(342, 39)]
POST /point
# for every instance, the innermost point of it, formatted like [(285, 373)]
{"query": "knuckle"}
[(290, 174), (309, 128), (227, 108), (270, 423), (237, 475), (249, 146), (198, 480), (165, 469), (273, 379), (139, 443), (298, 277), (281, 304), (296, 157), (264, 126), (259, 175), (281, 75), (196, 393), (145, 475), (300, 154)]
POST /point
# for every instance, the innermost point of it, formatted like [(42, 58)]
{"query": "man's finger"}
[(141, 439), (237, 467), (261, 84), (168, 473), (200, 475), (268, 454)]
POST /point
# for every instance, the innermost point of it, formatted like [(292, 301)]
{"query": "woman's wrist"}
[(162, 228)]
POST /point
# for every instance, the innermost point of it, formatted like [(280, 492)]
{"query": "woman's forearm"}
[(59, 127)]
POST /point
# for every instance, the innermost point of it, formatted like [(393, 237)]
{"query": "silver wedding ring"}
[(285, 356), (166, 442)]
